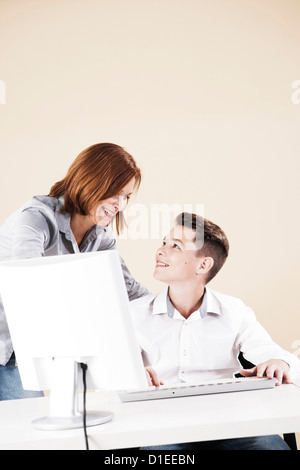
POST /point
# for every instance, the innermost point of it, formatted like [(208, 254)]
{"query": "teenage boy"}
[(189, 332)]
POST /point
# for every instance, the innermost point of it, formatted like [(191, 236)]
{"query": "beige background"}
[(200, 92)]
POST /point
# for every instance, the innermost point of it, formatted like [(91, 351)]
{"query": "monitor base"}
[(52, 423)]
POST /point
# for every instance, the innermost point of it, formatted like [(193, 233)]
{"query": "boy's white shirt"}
[(207, 344)]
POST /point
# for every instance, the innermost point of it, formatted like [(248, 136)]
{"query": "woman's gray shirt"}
[(40, 228)]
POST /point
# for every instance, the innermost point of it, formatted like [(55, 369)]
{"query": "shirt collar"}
[(210, 304), (63, 218)]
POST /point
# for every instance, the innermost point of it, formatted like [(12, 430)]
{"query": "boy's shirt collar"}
[(163, 305)]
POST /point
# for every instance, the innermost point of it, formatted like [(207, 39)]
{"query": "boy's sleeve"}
[(257, 345)]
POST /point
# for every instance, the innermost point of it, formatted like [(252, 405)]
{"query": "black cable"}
[(84, 369)]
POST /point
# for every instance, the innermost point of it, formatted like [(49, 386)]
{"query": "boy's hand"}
[(152, 377), (272, 368)]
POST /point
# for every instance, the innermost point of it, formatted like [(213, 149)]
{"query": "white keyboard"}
[(203, 388)]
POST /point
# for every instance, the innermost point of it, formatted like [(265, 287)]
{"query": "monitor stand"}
[(63, 411)]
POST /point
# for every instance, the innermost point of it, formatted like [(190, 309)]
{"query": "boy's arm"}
[(258, 347), (152, 377)]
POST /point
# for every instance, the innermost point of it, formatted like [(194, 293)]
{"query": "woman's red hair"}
[(98, 173)]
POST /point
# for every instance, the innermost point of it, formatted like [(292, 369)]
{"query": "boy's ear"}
[(205, 265)]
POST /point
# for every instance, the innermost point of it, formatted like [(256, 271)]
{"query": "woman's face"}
[(108, 208)]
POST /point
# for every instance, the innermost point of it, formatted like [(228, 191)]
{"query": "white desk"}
[(273, 411)]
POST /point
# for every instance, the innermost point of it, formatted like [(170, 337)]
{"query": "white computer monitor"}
[(65, 310)]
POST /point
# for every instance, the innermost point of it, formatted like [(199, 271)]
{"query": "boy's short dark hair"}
[(210, 238)]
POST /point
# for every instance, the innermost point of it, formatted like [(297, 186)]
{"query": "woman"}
[(75, 217)]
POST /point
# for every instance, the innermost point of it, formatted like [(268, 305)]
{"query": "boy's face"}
[(176, 259)]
